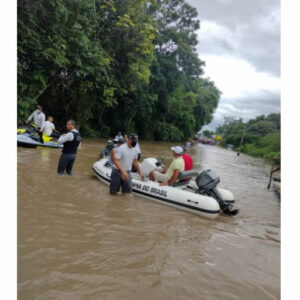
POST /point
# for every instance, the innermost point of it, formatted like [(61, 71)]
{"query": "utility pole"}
[(242, 139)]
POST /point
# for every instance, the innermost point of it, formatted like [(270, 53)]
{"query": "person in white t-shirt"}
[(124, 157), (137, 147), (49, 128), (39, 120)]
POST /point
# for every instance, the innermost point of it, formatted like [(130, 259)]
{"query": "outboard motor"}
[(207, 182), (160, 162)]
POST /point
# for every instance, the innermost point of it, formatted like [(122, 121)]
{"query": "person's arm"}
[(43, 123), (118, 165), (30, 117), (137, 166), (54, 129), (65, 138), (116, 160), (112, 154)]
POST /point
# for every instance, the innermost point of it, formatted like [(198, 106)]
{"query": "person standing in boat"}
[(39, 120), (170, 176), (138, 150), (71, 142), (124, 157)]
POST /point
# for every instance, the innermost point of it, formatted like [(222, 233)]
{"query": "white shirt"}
[(48, 128), (137, 148), (67, 137), (38, 118), (126, 156)]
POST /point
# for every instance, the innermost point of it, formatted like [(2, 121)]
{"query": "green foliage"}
[(167, 132), (114, 65), (208, 133), (262, 135)]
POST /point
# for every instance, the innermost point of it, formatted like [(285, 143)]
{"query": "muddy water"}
[(75, 241)]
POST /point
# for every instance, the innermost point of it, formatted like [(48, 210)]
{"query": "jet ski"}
[(200, 195), (27, 136)]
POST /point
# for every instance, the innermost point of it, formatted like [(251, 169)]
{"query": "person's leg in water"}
[(127, 185), (70, 163), (115, 181), (62, 164)]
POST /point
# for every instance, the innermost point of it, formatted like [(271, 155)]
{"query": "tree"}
[(114, 65), (262, 137)]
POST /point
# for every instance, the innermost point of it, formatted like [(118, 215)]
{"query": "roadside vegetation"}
[(262, 135), (113, 66)]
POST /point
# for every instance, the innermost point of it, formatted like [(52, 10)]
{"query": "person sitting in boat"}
[(39, 120), (124, 157), (188, 160), (170, 176), (49, 128)]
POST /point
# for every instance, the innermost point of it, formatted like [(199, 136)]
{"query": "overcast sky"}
[(240, 42)]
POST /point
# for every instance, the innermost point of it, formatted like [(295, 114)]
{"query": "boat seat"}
[(184, 178)]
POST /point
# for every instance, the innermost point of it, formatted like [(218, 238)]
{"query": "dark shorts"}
[(65, 163), (116, 182), (55, 135)]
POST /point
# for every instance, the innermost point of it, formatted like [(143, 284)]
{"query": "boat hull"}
[(179, 198), (24, 140)]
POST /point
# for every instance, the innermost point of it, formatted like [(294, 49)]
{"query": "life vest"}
[(70, 147)]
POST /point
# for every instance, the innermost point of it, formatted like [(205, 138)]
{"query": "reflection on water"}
[(75, 241)]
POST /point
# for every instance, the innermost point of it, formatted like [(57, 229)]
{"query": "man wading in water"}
[(71, 141), (121, 171)]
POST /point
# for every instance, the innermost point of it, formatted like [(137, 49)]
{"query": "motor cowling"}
[(207, 182)]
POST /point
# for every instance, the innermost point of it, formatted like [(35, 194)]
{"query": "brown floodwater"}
[(75, 241)]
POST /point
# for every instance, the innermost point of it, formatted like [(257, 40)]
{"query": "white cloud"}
[(240, 44), (237, 78)]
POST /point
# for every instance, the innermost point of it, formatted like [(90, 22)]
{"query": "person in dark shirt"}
[(188, 161)]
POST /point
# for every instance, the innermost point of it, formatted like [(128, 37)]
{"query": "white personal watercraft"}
[(28, 137), (200, 196)]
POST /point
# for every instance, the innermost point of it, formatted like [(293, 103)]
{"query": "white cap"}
[(177, 149)]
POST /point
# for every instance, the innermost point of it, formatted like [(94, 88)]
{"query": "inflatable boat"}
[(27, 136), (200, 196)]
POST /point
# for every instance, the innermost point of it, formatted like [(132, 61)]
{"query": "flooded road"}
[(75, 241)]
